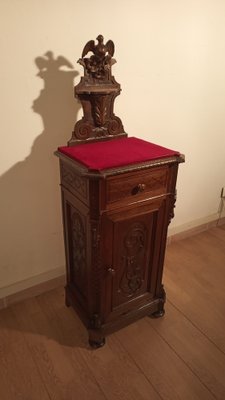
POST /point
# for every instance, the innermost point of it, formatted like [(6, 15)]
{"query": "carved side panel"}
[(77, 236), (74, 183), (96, 268), (78, 243)]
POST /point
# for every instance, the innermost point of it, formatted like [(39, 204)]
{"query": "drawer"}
[(137, 185)]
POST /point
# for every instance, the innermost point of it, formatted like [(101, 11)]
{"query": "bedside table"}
[(118, 196)]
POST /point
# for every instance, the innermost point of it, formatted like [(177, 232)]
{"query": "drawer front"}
[(137, 185)]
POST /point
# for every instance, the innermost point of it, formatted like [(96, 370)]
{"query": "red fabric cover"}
[(116, 153)]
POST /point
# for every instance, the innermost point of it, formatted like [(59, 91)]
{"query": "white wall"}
[(171, 65)]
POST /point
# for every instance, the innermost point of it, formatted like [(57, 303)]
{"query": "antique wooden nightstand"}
[(118, 196)]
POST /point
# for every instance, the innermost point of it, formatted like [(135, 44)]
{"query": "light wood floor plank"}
[(116, 373), (44, 352), (64, 380), (169, 375), (200, 354), (194, 280), (19, 377)]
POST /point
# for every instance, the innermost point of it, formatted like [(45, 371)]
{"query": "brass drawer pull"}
[(138, 189), (141, 187)]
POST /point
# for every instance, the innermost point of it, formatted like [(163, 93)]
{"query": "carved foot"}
[(162, 299), (158, 314), (95, 344)]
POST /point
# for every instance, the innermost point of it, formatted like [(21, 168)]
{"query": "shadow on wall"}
[(30, 215)]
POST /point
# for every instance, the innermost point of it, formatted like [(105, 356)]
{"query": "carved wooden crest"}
[(98, 66), (97, 91)]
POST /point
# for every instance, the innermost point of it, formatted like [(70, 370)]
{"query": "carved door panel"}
[(132, 254)]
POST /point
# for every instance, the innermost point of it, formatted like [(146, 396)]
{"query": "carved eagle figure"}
[(99, 49)]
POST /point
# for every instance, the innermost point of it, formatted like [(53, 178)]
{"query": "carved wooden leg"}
[(161, 311), (95, 344), (96, 339)]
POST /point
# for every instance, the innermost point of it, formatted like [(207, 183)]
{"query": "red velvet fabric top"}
[(116, 153)]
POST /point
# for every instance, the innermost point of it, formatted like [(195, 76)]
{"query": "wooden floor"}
[(44, 353)]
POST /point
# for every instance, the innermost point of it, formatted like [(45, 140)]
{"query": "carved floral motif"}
[(78, 243), (133, 259), (99, 109)]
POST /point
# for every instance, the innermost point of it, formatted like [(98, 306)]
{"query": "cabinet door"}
[(133, 242)]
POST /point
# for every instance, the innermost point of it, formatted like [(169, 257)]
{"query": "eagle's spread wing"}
[(89, 46), (110, 47)]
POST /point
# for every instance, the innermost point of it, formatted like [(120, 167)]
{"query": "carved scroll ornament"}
[(134, 245)]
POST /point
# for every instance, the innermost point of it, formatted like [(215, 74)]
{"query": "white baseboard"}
[(194, 227), (31, 287)]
